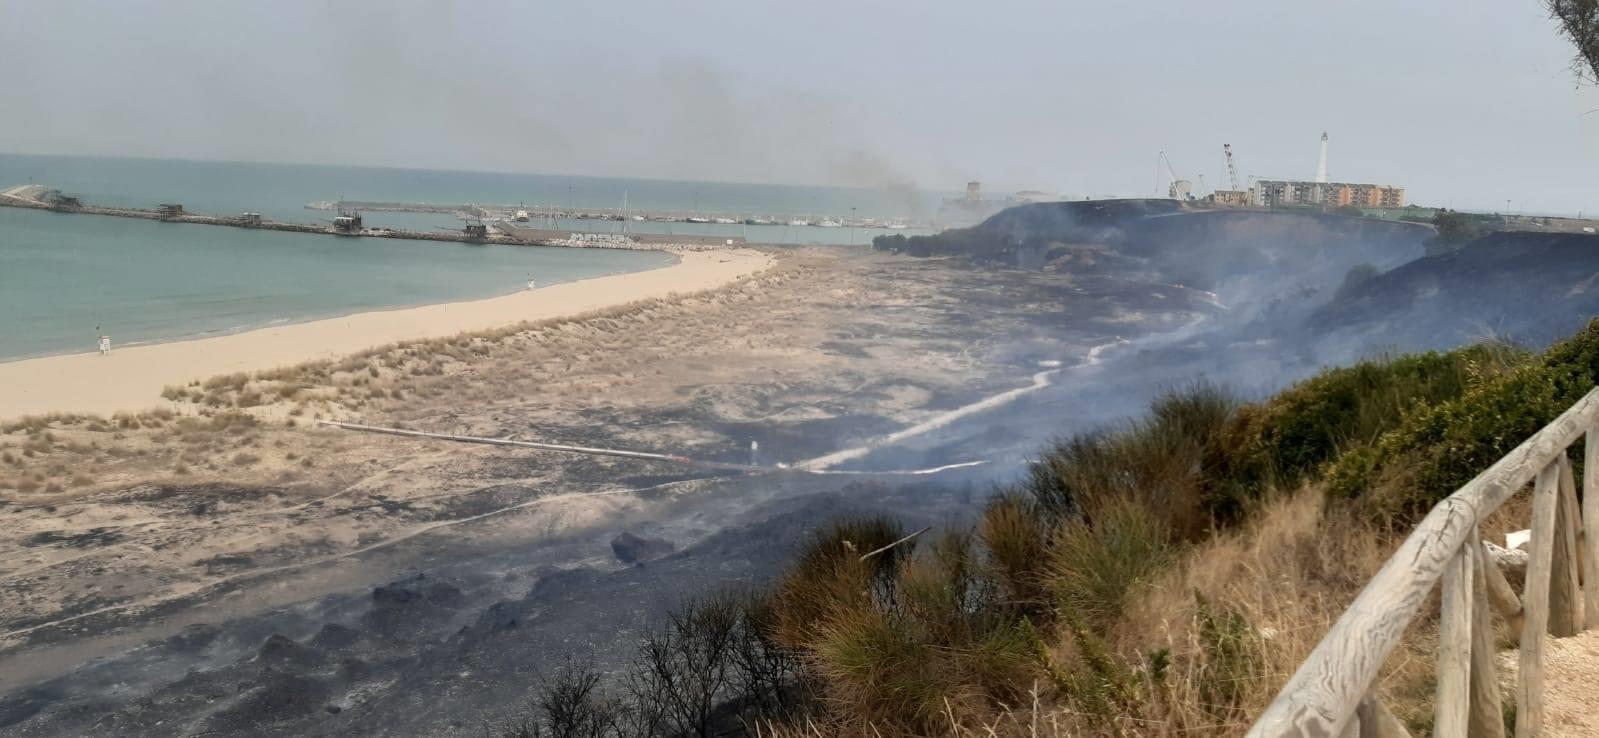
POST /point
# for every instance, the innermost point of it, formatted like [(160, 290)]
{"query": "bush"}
[(1439, 447), (828, 576), (768, 676), (1232, 662), (1016, 535), (1093, 566), (224, 382), (688, 663), (1339, 413), (1454, 231), (1159, 461), (571, 704)]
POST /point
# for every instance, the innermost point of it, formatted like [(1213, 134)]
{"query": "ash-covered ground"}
[(406, 587)]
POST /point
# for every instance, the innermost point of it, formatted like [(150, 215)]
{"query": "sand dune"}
[(130, 380)]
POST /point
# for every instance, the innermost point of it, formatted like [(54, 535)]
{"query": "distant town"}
[(1369, 200)]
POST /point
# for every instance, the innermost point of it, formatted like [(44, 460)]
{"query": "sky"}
[(1466, 104)]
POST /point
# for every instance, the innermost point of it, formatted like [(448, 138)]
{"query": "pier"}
[(40, 197), (531, 213)]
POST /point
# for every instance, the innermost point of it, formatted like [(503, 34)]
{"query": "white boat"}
[(521, 216), (696, 219), (799, 222), (897, 226), (724, 221), (829, 223)]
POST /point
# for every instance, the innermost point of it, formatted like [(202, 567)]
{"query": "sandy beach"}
[(131, 380)]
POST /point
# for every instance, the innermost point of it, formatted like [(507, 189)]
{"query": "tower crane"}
[(1232, 171)]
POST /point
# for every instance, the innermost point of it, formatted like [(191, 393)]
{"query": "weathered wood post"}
[(1487, 706), (1500, 594), (1565, 593), (1590, 527), (1453, 702), (1535, 602)]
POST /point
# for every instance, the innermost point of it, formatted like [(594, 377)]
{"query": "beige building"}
[(1283, 192), (1230, 198)]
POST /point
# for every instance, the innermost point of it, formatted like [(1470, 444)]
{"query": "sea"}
[(66, 279)]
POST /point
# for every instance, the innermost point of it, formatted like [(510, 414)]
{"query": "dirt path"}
[(1571, 670)]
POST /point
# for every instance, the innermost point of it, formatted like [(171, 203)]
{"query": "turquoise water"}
[(64, 279)]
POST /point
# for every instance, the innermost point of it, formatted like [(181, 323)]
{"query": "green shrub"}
[(1338, 416), (1233, 659), (896, 667), (828, 577), (1093, 566), (1437, 448), (1099, 684), (1015, 534), (879, 673), (1159, 460)]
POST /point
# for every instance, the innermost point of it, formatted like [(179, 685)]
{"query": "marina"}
[(349, 223), (531, 213)]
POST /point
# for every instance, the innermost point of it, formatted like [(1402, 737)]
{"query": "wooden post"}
[(1590, 526), (1500, 593), (1535, 602), (1376, 721), (1487, 706), (1454, 643), (1565, 594), (1325, 692), (1351, 728)]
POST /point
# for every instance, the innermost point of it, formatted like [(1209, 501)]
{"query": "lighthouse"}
[(1321, 163)]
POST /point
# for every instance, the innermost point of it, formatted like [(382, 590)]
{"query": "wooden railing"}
[(1333, 694)]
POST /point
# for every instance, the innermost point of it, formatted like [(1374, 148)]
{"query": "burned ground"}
[(191, 575)]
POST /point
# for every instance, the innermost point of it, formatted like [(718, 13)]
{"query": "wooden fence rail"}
[(1333, 693)]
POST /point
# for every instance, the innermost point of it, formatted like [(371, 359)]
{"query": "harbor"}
[(348, 223), (531, 214)]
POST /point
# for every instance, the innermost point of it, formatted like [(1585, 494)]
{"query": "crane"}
[(1232, 171), (1180, 189)]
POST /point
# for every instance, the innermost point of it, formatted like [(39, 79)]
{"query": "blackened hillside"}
[(1531, 287)]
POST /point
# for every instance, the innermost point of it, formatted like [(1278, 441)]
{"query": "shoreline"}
[(131, 379), (203, 335)]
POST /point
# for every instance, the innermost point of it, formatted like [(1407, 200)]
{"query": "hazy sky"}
[(1464, 103)]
